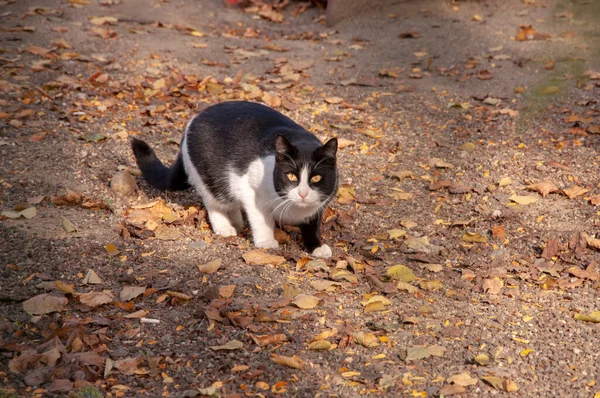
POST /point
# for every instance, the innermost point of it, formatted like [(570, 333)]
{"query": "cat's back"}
[(239, 132)]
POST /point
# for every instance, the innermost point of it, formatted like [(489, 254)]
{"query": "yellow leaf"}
[(587, 318), (111, 249), (482, 359), (378, 356), (474, 237), (526, 352), (197, 34), (396, 233), (504, 182), (401, 273), (523, 200), (319, 345), (431, 285)]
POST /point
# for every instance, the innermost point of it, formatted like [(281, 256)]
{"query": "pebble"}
[(123, 183)]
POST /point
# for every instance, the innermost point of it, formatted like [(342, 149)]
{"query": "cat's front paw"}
[(323, 251), (226, 231), (267, 244)]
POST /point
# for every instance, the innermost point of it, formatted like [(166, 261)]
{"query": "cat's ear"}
[(283, 148), (329, 149)]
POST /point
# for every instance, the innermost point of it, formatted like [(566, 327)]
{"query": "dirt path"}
[(464, 234)]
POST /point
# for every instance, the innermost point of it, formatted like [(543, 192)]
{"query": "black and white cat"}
[(246, 156)]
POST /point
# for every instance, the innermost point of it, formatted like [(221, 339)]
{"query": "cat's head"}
[(306, 177)]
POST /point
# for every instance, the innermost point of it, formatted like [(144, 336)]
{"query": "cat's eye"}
[(316, 178), (292, 176)]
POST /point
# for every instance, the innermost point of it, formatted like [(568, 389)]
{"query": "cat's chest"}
[(256, 187)]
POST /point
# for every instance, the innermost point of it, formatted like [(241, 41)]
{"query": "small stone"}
[(123, 183), (199, 244)]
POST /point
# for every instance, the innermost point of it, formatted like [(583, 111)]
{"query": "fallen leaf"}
[(544, 187), (230, 345), (482, 359), (468, 147), (291, 362), (272, 99), (396, 233), (44, 304), (211, 267), (131, 292), (523, 200), (128, 366), (269, 339), (407, 286), (259, 257), (368, 340), (334, 100), (306, 301), (492, 286), (421, 352), (27, 213), (593, 317), (323, 284), (346, 194), (503, 384), (98, 21), (574, 191), (400, 272), (91, 278), (164, 232), (320, 345), (439, 163), (95, 299), (431, 286), (226, 291), (68, 225), (111, 249), (474, 237), (462, 379)]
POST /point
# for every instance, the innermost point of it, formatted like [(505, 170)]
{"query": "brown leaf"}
[(462, 379), (259, 257), (44, 304), (551, 249), (95, 299), (131, 292), (269, 339), (492, 286), (211, 267), (574, 191), (226, 291), (128, 366), (334, 100), (544, 187), (421, 352), (368, 340), (230, 345), (272, 99), (91, 278), (164, 232), (291, 362), (306, 301)]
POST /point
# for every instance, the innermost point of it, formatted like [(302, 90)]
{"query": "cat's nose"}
[(303, 194)]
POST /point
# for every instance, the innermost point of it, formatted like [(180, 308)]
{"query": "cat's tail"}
[(157, 174)]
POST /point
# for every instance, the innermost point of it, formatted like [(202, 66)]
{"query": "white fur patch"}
[(323, 251)]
